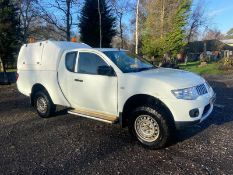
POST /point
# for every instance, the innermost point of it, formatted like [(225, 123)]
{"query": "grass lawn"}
[(211, 68), (11, 70)]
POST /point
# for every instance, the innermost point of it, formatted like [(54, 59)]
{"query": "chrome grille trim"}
[(201, 89)]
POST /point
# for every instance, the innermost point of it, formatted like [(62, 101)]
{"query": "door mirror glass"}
[(105, 70)]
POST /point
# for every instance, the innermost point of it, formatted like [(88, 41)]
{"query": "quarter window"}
[(88, 63), (70, 61)]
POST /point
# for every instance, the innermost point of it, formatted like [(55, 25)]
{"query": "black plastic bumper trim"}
[(181, 125)]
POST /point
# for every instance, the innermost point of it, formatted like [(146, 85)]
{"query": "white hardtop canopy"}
[(63, 45), (45, 55)]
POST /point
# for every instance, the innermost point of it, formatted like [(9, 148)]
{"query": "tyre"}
[(43, 104), (150, 127)]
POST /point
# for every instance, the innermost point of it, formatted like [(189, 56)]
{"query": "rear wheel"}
[(43, 104), (150, 127)]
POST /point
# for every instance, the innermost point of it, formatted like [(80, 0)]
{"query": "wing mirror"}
[(106, 70)]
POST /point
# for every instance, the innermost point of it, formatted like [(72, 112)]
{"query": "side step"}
[(95, 116)]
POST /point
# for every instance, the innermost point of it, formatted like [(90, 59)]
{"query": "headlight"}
[(186, 94)]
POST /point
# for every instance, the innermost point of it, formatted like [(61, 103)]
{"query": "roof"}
[(211, 45), (227, 41), (63, 45), (66, 44)]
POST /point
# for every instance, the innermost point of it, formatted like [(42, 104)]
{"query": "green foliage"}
[(226, 64), (170, 40), (89, 23), (153, 47), (175, 39), (9, 30), (209, 69)]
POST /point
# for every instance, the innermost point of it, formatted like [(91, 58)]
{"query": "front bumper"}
[(181, 125), (180, 109), (205, 114)]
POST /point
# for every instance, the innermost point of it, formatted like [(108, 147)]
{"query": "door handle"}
[(78, 80)]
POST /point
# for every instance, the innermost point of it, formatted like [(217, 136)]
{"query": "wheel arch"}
[(35, 88), (142, 100)]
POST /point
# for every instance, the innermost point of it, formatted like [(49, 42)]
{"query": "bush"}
[(204, 58), (228, 61), (226, 64)]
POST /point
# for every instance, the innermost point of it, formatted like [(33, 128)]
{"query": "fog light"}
[(194, 113)]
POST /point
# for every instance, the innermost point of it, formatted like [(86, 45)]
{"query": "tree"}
[(163, 29), (229, 34), (47, 31), (90, 25), (157, 15), (121, 8), (33, 24), (174, 41), (213, 34), (136, 28), (61, 13), (197, 20), (139, 17), (29, 13), (9, 31)]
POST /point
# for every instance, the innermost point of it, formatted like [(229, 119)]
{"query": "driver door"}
[(89, 90)]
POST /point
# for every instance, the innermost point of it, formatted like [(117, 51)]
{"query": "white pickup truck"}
[(111, 86)]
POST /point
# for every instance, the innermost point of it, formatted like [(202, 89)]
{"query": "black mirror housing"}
[(106, 70)]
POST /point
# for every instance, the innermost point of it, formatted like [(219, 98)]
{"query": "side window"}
[(70, 61), (88, 63)]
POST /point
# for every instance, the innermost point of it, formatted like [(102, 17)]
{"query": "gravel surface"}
[(68, 144)]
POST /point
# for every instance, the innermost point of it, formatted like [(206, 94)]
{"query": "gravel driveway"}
[(68, 144)]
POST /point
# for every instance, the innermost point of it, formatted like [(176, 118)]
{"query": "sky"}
[(220, 12)]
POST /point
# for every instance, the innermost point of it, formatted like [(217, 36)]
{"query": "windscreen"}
[(127, 63)]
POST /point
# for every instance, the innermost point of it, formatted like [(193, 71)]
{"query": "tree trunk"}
[(68, 20), (190, 33), (121, 32), (1, 65), (100, 23), (5, 77), (136, 32), (162, 18)]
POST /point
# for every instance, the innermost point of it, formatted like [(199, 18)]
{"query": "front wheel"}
[(43, 104), (150, 127)]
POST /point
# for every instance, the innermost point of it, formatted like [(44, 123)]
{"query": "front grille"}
[(201, 89)]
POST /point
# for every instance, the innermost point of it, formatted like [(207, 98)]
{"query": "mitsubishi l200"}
[(111, 86)]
